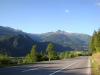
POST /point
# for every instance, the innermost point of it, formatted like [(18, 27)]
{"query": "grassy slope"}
[(96, 64)]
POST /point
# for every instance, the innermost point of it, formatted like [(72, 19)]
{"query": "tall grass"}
[(95, 64)]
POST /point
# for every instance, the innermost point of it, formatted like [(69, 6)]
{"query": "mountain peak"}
[(60, 31)]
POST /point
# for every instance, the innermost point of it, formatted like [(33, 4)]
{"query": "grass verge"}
[(95, 64)]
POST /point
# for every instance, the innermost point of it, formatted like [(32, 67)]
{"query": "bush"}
[(4, 59), (68, 54)]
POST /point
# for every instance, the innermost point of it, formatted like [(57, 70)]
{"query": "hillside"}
[(18, 43), (75, 41)]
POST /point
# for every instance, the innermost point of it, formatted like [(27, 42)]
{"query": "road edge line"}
[(89, 66)]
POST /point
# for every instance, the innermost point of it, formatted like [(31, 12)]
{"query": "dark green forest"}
[(95, 42), (95, 50)]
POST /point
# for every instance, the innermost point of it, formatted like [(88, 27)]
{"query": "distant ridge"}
[(18, 43)]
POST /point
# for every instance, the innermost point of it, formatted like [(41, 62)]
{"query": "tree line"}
[(95, 42), (34, 56)]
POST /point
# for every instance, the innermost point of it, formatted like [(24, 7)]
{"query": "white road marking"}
[(62, 68), (30, 69), (89, 67)]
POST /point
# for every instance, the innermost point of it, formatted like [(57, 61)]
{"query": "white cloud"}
[(98, 4), (67, 11)]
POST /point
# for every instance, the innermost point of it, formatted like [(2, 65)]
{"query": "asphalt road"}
[(75, 66)]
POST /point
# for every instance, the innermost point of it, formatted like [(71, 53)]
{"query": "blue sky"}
[(39, 16)]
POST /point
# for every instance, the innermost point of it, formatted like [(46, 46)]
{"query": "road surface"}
[(75, 66)]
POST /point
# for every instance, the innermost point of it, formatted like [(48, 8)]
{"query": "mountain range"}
[(18, 43)]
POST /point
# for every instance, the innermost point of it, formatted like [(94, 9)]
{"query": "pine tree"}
[(95, 42), (32, 56), (27, 59), (51, 51)]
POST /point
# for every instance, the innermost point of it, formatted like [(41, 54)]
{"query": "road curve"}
[(75, 66)]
